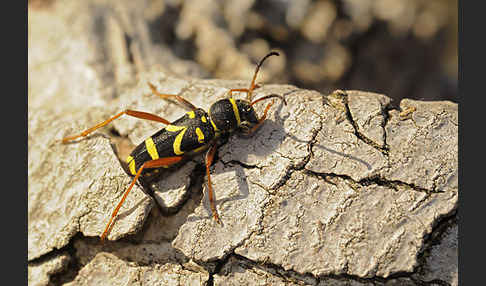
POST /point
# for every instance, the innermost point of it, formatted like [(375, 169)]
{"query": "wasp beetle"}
[(192, 133)]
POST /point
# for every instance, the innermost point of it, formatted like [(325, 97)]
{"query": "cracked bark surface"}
[(305, 193)]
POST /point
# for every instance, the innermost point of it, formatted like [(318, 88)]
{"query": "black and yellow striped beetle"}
[(194, 132)]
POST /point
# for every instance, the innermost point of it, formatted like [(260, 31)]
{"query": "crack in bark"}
[(395, 184), (294, 276), (73, 267), (376, 179), (217, 269), (47, 256), (383, 149), (439, 228), (386, 117), (301, 165)]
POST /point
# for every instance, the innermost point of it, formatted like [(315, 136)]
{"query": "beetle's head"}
[(228, 115), (248, 115)]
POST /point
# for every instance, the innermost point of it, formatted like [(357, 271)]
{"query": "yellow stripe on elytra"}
[(131, 165), (203, 119), (191, 114), (178, 141), (152, 150), (174, 128), (235, 110), (200, 135)]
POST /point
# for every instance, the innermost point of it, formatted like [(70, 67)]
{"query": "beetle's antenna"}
[(252, 85)]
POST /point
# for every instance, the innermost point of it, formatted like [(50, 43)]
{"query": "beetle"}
[(194, 132)]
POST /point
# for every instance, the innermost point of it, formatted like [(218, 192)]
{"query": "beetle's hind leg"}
[(149, 164)]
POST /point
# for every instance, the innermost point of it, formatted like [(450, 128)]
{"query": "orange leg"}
[(262, 119), (149, 164), (137, 114), (230, 92), (209, 161), (269, 96), (181, 100)]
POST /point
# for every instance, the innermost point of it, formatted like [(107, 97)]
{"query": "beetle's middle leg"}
[(133, 113), (209, 161), (179, 98)]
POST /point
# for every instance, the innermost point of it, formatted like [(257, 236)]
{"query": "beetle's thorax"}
[(228, 114)]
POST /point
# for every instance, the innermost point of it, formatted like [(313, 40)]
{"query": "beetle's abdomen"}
[(188, 133)]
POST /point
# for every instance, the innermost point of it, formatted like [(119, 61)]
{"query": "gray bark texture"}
[(333, 189), (327, 186)]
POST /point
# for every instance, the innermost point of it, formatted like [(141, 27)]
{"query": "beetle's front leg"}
[(209, 161), (246, 90)]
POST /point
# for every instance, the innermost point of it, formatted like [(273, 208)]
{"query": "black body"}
[(167, 143), (198, 127)]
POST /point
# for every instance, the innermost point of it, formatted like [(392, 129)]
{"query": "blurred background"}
[(401, 48)]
